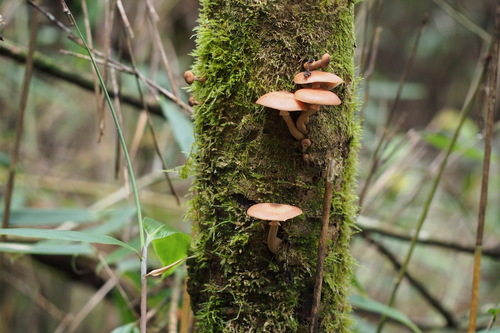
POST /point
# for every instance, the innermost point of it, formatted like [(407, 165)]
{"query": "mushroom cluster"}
[(190, 78), (315, 86)]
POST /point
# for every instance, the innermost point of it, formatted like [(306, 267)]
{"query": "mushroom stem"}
[(323, 63), (273, 242), (304, 118), (291, 126)]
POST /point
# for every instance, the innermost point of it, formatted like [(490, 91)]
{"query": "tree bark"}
[(244, 154)]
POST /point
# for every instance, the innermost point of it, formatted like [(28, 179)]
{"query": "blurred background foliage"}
[(65, 173)]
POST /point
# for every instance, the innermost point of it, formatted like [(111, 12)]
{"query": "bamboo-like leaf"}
[(180, 124), (29, 217), (47, 247), (67, 235), (128, 328), (371, 305)]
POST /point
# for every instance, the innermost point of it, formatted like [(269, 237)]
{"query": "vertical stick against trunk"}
[(325, 221)]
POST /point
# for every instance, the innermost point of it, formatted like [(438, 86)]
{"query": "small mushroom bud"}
[(305, 143), (190, 77), (192, 101), (322, 63)]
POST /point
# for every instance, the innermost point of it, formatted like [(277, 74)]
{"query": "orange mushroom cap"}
[(281, 100), (273, 211), (317, 96), (325, 79)]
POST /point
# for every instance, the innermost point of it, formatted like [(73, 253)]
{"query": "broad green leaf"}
[(368, 304), (180, 124), (169, 243), (47, 247), (128, 328), (29, 217), (67, 235)]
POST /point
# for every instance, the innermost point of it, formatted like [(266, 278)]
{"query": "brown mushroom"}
[(192, 101), (285, 102), (314, 98), (190, 77), (318, 79), (274, 213)]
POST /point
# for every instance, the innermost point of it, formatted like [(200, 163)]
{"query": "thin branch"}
[(47, 66), (369, 228), (20, 119), (325, 222), (463, 20), (491, 87), (157, 42), (368, 73), (97, 90), (448, 316)]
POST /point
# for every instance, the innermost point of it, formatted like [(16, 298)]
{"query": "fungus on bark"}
[(285, 102), (190, 77), (274, 213)]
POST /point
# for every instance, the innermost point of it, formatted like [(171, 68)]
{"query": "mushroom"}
[(323, 63), (285, 102), (274, 213), (318, 79), (190, 77), (192, 101), (314, 98)]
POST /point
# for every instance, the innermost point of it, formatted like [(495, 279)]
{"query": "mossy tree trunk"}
[(244, 154)]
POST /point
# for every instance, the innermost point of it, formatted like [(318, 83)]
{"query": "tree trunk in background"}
[(244, 154)]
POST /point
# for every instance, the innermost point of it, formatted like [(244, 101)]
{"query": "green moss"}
[(245, 154)]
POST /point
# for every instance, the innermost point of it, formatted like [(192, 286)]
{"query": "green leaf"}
[(35, 217), (47, 247), (4, 159), (180, 124), (494, 312), (67, 235), (128, 328), (442, 141), (169, 243), (368, 304)]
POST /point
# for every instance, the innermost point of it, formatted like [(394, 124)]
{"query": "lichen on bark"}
[(244, 154)]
